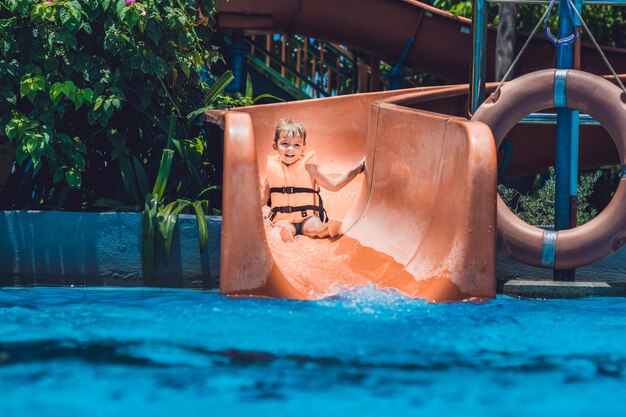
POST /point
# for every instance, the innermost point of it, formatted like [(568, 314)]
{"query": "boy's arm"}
[(265, 192), (334, 184)]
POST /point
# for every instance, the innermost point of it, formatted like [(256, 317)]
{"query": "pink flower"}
[(50, 1), (143, 13), (129, 1)]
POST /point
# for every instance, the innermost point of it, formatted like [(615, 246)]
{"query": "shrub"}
[(86, 91), (538, 207)]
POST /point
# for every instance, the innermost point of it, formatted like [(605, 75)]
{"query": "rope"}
[(519, 55), (606, 61)]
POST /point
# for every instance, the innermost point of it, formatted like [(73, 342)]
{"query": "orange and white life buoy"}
[(605, 102)]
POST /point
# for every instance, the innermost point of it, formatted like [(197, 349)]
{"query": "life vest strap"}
[(294, 209), (292, 190)]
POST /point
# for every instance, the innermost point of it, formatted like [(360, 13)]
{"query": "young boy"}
[(291, 186)]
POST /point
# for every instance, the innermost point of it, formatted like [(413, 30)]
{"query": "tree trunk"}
[(505, 41)]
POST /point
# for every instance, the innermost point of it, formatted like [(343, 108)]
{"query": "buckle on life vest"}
[(289, 190), (303, 213)]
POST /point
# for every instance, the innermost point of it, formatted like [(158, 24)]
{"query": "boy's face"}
[(289, 148)]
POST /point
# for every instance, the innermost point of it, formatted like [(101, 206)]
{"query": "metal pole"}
[(479, 55), (573, 188), (238, 51), (564, 129)]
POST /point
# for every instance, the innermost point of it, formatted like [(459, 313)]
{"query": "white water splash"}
[(370, 299)]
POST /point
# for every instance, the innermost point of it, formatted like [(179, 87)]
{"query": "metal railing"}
[(319, 69)]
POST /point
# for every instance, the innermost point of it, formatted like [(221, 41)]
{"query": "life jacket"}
[(294, 195)]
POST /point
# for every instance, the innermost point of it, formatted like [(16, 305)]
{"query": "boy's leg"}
[(335, 228), (314, 227), (287, 230)]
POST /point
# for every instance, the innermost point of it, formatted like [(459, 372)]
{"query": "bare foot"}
[(285, 235), (334, 228)]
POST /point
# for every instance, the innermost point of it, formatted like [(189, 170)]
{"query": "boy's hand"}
[(266, 212), (361, 166)]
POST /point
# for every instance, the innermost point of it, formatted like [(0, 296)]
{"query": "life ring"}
[(605, 234)]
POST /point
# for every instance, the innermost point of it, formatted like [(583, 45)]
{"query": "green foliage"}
[(538, 208), (213, 93), (247, 99), (607, 23), (162, 216), (157, 215), (464, 8), (459, 8), (159, 219), (86, 89), (148, 233), (96, 92)]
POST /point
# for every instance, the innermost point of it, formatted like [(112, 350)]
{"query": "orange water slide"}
[(442, 41), (420, 220)]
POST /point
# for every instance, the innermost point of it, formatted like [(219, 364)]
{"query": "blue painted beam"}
[(479, 55), (564, 128), (550, 118)]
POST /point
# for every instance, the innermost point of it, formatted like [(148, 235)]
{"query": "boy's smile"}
[(289, 148)]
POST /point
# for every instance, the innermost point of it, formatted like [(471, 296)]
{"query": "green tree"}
[(538, 208), (86, 91), (607, 23)]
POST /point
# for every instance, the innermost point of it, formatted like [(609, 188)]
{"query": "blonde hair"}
[(288, 127)]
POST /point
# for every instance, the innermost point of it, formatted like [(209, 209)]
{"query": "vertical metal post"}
[(564, 129), (238, 51), (375, 73), (573, 166), (479, 55), (355, 72), (396, 76), (573, 188)]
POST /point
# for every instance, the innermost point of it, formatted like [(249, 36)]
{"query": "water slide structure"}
[(420, 220), (422, 217), (440, 44)]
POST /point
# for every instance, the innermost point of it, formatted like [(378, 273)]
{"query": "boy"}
[(291, 186)]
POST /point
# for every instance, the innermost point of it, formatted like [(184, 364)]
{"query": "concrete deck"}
[(559, 289), (606, 278)]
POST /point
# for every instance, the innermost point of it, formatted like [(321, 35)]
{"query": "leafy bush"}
[(607, 23), (86, 91), (538, 208)]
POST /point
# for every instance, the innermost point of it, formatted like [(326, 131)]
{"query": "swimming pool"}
[(143, 352)]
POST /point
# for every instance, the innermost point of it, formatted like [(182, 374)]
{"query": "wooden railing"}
[(317, 68)]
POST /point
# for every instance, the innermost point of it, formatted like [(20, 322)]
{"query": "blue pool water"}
[(136, 352)]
